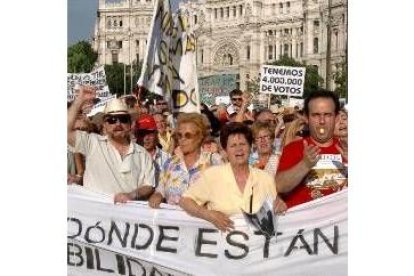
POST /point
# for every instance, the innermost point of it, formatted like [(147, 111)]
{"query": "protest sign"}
[(216, 86), (96, 78), (282, 80), (311, 239), (169, 67)]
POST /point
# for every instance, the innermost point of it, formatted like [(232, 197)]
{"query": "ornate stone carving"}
[(226, 55)]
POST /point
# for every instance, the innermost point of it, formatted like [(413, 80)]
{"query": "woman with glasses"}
[(225, 190), (180, 171), (264, 157)]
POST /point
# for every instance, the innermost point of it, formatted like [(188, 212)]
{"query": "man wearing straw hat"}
[(114, 164)]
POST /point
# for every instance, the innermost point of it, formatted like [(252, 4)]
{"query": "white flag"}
[(169, 67)]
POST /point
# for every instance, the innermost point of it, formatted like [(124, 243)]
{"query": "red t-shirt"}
[(327, 177)]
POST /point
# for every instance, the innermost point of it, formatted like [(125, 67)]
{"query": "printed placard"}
[(282, 80)]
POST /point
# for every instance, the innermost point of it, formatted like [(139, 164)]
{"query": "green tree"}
[(341, 81), (312, 79), (81, 57), (115, 77)]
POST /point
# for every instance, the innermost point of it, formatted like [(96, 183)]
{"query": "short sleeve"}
[(199, 191)]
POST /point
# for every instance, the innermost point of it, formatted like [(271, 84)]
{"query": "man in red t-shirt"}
[(313, 167)]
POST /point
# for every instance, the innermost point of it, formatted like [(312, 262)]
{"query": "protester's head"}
[(236, 139), (321, 109), (341, 126), (82, 123), (210, 145), (192, 129), (129, 100), (146, 132), (236, 97), (263, 135), (117, 119), (161, 123), (267, 116), (161, 106)]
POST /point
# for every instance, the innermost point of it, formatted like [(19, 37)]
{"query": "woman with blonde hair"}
[(263, 137), (181, 170), (294, 131)]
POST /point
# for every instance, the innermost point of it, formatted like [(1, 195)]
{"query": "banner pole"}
[(268, 100)]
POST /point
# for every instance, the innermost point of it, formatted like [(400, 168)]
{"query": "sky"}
[(81, 19)]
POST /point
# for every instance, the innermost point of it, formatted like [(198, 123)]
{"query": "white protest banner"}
[(282, 80), (169, 67), (96, 78), (311, 239)]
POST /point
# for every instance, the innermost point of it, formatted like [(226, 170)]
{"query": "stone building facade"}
[(238, 36), (233, 36), (121, 30)]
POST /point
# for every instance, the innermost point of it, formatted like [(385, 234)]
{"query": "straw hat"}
[(115, 107)]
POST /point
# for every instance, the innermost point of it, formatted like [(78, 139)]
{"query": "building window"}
[(120, 23), (336, 40), (114, 57), (230, 59), (286, 49), (301, 30), (241, 10), (287, 7), (137, 44), (270, 33), (228, 11), (286, 31), (195, 19), (281, 8), (270, 52), (215, 13), (248, 52), (315, 45), (221, 12), (280, 51), (234, 11), (202, 56), (316, 24), (301, 49)]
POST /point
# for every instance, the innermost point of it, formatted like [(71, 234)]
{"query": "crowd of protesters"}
[(209, 163)]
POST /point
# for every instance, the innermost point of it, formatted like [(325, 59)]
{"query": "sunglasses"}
[(186, 135), (123, 119), (237, 99)]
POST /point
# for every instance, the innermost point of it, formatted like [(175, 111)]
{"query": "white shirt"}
[(107, 172)]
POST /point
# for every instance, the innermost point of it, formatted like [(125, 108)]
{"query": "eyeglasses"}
[(266, 137), (236, 99), (186, 135), (123, 119)]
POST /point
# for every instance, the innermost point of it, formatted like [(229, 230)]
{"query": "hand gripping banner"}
[(133, 239)]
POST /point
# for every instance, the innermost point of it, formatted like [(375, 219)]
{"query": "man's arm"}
[(287, 180), (142, 192), (86, 94)]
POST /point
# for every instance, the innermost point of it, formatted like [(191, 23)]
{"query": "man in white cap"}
[(314, 166), (114, 164)]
